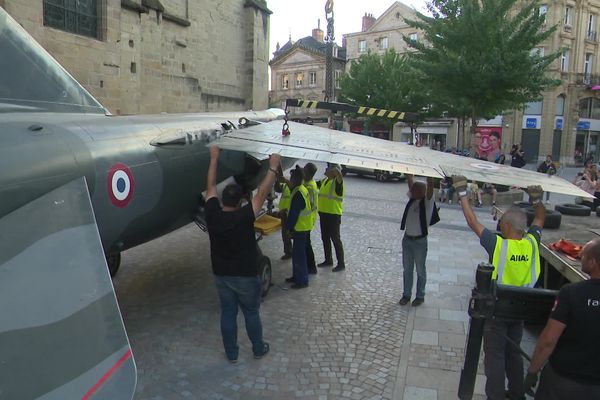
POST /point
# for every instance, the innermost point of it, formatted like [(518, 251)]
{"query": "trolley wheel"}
[(264, 274)]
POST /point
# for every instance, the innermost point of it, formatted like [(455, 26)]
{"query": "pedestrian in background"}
[(331, 199), (547, 167), (517, 156), (234, 255)]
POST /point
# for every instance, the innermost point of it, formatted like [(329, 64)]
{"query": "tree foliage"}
[(477, 54), (386, 82)]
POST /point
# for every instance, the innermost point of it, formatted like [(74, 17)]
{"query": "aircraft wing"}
[(61, 332), (308, 142)]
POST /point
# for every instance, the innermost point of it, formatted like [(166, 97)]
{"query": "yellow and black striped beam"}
[(368, 111)]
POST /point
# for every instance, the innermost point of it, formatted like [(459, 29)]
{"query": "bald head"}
[(513, 223), (590, 258)]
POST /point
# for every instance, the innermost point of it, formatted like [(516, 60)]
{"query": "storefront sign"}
[(487, 142), (531, 123), (583, 125), (559, 124)]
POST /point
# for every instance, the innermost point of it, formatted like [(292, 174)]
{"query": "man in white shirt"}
[(415, 222)]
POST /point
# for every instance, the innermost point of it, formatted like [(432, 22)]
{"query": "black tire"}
[(380, 176), (114, 262), (598, 211), (553, 218), (573, 209), (265, 274), (344, 171), (521, 204)]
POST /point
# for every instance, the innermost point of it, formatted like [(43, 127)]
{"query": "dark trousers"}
[(240, 292), (311, 264), (299, 267), (502, 359), (330, 232), (554, 386), (285, 235)]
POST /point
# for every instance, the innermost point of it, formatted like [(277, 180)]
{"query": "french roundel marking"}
[(485, 166), (120, 185)]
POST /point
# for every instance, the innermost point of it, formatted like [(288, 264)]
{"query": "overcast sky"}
[(300, 17)]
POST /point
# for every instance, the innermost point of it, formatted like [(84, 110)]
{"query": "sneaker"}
[(286, 256), (449, 201), (417, 302), (290, 279), (478, 205), (547, 201), (404, 300), (339, 268), (326, 264), (299, 286), (494, 204), (233, 360), (266, 349)]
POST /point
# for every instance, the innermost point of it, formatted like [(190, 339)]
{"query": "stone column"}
[(257, 55)]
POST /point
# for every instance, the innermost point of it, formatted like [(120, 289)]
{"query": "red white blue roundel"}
[(120, 185)]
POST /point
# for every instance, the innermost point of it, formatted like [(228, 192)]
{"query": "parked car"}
[(379, 175)]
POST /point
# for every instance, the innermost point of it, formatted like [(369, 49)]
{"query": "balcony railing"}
[(591, 35), (588, 79)]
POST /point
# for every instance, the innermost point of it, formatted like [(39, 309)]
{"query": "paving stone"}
[(341, 338)]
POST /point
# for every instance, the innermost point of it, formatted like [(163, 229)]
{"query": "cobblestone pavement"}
[(345, 337)]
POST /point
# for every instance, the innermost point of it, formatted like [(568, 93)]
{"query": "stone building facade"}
[(380, 34), (151, 56), (566, 122), (298, 72)]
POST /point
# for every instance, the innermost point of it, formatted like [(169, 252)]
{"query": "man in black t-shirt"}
[(234, 255), (570, 339)]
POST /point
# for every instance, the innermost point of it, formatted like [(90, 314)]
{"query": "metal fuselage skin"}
[(167, 157)]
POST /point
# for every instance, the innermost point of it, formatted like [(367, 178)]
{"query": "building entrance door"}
[(531, 144), (556, 141)]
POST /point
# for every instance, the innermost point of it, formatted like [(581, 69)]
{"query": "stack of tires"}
[(553, 218)]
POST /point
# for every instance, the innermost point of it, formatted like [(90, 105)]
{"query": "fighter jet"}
[(79, 186)]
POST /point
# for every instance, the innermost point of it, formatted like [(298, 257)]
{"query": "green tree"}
[(479, 53), (386, 82)]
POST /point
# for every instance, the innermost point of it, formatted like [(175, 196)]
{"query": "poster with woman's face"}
[(487, 142)]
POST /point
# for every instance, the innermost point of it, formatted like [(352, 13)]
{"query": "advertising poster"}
[(487, 142)]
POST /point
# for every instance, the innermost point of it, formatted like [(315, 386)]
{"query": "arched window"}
[(560, 105), (534, 107)]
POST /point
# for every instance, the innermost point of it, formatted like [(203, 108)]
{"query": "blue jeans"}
[(242, 291), (414, 253), (299, 261)]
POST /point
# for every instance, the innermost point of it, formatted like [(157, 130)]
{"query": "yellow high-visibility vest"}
[(313, 196), (516, 262), (286, 198), (329, 201), (305, 220)]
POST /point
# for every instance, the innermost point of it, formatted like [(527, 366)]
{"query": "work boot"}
[(417, 302), (290, 279), (404, 300), (326, 264), (299, 286), (286, 256), (339, 268)]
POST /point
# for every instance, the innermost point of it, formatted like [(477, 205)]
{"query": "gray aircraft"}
[(79, 186)]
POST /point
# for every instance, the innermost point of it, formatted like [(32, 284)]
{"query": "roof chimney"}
[(318, 34), (367, 22)]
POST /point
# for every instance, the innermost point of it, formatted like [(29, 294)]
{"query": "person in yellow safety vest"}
[(331, 198), (310, 170), (516, 258), (299, 224), (284, 206)]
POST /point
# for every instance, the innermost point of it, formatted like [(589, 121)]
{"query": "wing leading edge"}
[(313, 143), (61, 332)]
